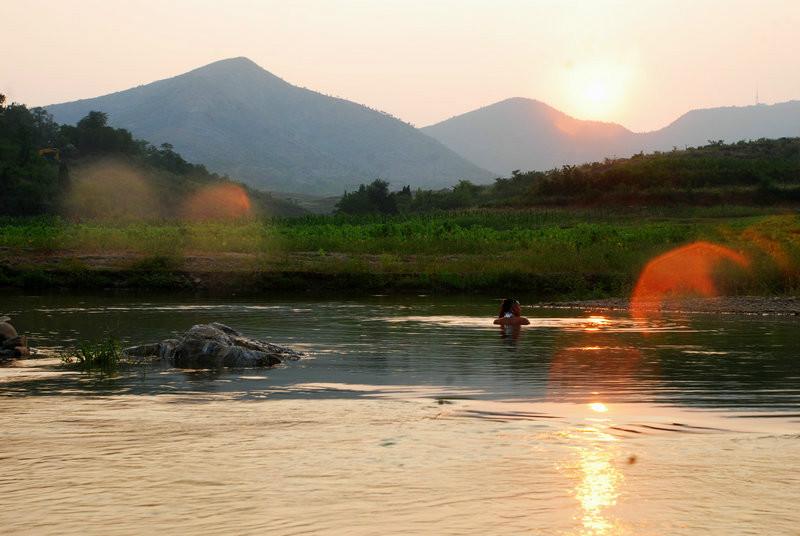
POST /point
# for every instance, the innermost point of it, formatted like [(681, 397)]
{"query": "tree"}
[(94, 120), (369, 199), (30, 184)]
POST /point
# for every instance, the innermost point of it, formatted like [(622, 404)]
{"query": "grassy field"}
[(553, 253)]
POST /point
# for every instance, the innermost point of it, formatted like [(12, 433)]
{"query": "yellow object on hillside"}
[(51, 153)]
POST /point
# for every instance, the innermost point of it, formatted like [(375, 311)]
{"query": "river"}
[(410, 415)]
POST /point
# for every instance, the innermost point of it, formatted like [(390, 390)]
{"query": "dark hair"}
[(506, 306)]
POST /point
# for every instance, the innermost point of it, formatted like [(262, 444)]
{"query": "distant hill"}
[(527, 134), (239, 119), (729, 124)]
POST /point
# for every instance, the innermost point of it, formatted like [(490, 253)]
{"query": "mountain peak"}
[(239, 119), (523, 133), (517, 101), (239, 62), (232, 69)]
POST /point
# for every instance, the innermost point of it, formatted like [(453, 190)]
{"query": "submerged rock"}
[(214, 345)]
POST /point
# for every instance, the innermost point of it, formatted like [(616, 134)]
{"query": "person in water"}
[(511, 314)]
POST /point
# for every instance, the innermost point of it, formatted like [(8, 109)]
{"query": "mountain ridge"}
[(527, 134), (242, 120)]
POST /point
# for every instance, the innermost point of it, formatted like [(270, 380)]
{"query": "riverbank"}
[(232, 274), (542, 254), (310, 272)]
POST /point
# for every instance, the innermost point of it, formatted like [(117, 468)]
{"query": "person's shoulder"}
[(513, 321)]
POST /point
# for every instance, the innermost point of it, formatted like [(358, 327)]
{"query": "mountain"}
[(527, 134), (239, 119), (731, 124)]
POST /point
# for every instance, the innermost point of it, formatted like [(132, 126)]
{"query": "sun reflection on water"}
[(599, 407), (594, 323), (598, 489)]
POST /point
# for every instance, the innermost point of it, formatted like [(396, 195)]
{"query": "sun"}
[(597, 90)]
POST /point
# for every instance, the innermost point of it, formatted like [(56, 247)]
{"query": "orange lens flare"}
[(224, 202), (684, 271)]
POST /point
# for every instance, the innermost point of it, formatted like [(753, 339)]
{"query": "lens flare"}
[(685, 271), (223, 202), (110, 190)]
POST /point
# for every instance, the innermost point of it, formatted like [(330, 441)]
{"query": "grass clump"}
[(95, 355)]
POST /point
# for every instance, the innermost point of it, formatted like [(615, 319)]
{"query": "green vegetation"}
[(43, 166), (548, 252), (103, 355), (762, 172), (558, 233)]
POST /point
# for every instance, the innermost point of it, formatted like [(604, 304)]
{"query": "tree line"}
[(764, 171), (37, 156)]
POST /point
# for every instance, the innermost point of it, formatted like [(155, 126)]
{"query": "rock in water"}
[(7, 331), (215, 345), (11, 343)]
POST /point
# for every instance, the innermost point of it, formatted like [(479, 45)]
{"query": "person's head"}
[(509, 305)]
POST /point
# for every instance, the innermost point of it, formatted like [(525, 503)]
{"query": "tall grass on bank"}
[(467, 248), (448, 232)]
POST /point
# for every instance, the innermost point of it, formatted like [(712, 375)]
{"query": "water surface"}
[(410, 415)]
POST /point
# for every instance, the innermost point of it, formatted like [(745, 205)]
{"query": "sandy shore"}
[(747, 305)]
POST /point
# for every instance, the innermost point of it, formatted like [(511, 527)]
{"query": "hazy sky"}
[(640, 63)]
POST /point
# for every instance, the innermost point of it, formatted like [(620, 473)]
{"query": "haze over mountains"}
[(239, 119), (526, 134)]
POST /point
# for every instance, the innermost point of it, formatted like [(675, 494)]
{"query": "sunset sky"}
[(639, 63)]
